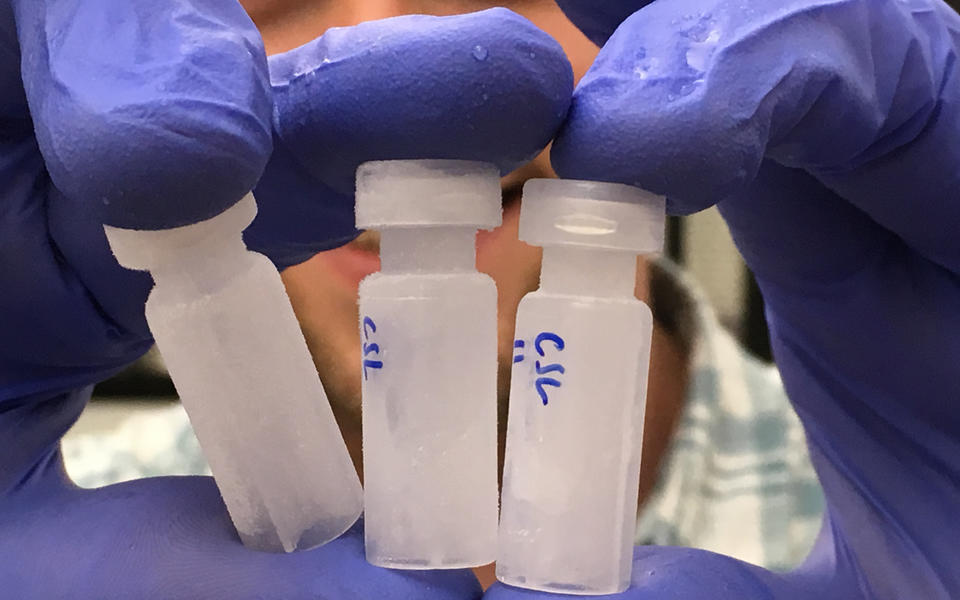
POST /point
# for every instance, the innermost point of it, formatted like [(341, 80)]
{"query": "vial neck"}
[(581, 271), (202, 269), (434, 249)]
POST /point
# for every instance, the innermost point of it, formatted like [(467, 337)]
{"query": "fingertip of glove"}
[(599, 148), (485, 86), (158, 133), (620, 131), (150, 177), (688, 188)]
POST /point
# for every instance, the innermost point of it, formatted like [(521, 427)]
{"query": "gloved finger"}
[(153, 115), (485, 86), (170, 538), (688, 98), (598, 19), (860, 325), (796, 233)]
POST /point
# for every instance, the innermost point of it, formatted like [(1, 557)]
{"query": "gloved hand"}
[(149, 115), (828, 134)]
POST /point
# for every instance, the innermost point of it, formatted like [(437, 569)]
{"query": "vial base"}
[(420, 564), (559, 587)]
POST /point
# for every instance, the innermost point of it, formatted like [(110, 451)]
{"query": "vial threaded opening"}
[(416, 193), (612, 216)]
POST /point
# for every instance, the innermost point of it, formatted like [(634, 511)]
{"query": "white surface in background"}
[(710, 255), (126, 438)]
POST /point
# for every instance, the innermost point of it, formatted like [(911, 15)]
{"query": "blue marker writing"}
[(518, 344), (544, 369), (369, 328)]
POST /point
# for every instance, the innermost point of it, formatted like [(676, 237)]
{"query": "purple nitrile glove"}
[(828, 134), (152, 115), (485, 86)]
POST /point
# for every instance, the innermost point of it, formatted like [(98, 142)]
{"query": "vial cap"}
[(416, 193), (612, 216), (144, 250)]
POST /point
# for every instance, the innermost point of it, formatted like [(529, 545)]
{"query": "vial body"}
[(429, 419), (234, 350), (571, 477)]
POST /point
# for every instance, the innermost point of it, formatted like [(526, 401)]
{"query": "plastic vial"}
[(228, 335), (429, 334), (578, 390)]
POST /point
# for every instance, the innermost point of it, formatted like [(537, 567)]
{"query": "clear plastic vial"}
[(429, 334), (578, 390), (228, 335)]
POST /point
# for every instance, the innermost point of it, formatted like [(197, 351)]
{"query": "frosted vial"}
[(429, 335), (578, 390), (228, 335)]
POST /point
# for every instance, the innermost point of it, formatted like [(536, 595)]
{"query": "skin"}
[(323, 290)]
